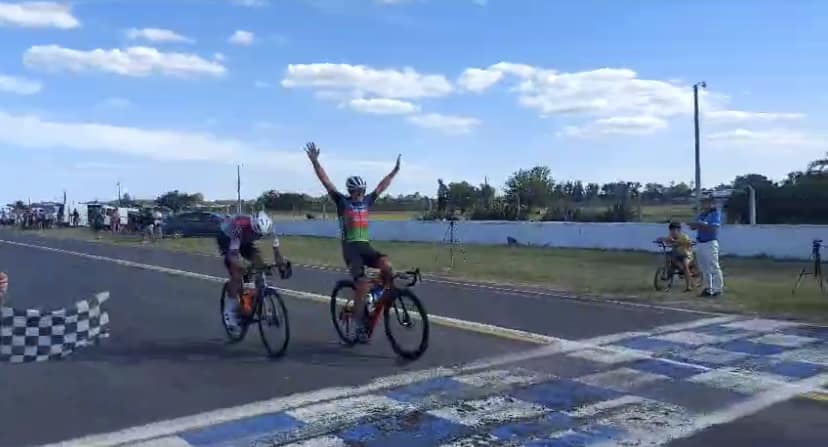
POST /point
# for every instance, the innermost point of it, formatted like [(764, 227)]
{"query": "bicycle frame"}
[(388, 294), (261, 284)]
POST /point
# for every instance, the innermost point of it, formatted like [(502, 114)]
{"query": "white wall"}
[(778, 241)]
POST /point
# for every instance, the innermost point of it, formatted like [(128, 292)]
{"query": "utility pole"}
[(238, 188), (696, 86), (119, 193)]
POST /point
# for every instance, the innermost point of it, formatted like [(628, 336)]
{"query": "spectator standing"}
[(115, 221), (4, 287), (707, 226)]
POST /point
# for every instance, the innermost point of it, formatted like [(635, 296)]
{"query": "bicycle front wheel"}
[(274, 327), (408, 315), (663, 280)]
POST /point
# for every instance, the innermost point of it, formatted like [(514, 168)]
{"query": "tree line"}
[(533, 194)]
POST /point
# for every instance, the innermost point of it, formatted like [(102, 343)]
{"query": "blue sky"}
[(171, 94)]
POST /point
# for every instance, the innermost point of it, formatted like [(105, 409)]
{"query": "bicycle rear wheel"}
[(238, 333), (407, 312), (274, 327), (342, 313)]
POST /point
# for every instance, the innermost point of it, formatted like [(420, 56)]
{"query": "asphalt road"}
[(167, 358)]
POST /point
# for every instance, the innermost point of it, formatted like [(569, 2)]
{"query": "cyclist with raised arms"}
[(353, 219), (236, 240)]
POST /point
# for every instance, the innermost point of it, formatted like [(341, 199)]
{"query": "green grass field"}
[(752, 285), (649, 213)]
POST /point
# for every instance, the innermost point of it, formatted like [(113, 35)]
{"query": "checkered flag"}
[(34, 336)]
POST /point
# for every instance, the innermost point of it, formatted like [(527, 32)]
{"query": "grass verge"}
[(752, 285)]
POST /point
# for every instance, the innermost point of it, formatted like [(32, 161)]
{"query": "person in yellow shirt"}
[(682, 253)]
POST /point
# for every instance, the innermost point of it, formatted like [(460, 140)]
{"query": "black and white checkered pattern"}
[(35, 336)]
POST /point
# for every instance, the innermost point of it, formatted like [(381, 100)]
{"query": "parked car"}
[(192, 223)]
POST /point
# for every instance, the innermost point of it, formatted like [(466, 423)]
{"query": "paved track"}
[(166, 359)]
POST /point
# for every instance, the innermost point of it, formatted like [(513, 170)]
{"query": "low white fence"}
[(777, 241)]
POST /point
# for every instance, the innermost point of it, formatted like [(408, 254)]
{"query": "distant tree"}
[(819, 166), (593, 190), (533, 188), (653, 192), (178, 201), (485, 195), (462, 196), (286, 201), (578, 192), (758, 181)]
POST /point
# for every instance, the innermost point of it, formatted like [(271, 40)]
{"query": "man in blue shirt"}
[(707, 226)]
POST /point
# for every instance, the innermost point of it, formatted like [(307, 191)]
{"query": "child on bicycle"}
[(681, 254)]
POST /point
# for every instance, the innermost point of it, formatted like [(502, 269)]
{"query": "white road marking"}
[(502, 377), (591, 410), (732, 380), (607, 356), (709, 354), (341, 412), (744, 408), (323, 441), (762, 325), (695, 338), (490, 411), (621, 379), (642, 423), (815, 355), (786, 341), (170, 441)]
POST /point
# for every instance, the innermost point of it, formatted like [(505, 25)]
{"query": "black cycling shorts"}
[(247, 250), (359, 255)]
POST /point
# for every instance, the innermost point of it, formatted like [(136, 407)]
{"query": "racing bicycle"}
[(267, 309), (397, 305), (666, 274)]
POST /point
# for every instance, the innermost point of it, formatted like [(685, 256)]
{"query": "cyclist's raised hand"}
[(312, 150)]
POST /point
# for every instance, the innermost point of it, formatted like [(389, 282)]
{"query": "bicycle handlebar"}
[(413, 276)]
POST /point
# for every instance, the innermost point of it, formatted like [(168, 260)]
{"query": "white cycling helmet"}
[(262, 224), (355, 183)]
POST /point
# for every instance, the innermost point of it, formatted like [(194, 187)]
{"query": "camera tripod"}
[(453, 242), (817, 267)]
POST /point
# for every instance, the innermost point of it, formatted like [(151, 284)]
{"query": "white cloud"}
[(360, 81), (132, 61), (383, 106), (262, 84), (251, 3), (737, 116), (454, 125), (773, 137), (219, 57), (38, 15), (241, 37), (617, 125), (20, 86), (31, 131), (157, 35), (35, 133), (477, 80), (599, 92)]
